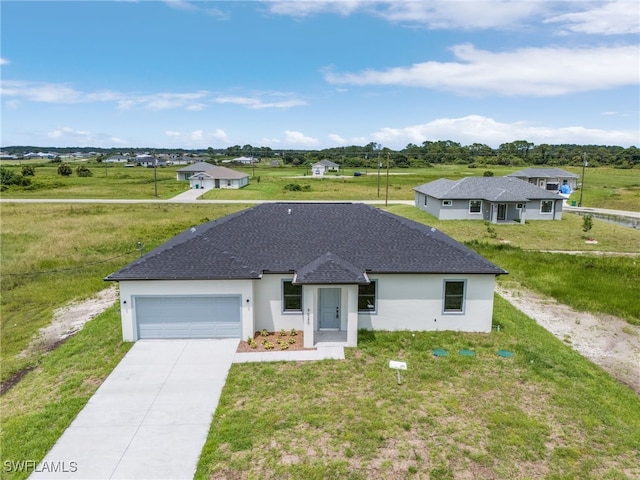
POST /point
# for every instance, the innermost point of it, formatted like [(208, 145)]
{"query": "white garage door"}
[(188, 317)]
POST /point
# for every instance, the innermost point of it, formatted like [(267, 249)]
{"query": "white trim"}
[(550, 212), (444, 298), (447, 203), (479, 212)]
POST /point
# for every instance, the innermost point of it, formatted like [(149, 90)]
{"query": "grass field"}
[(452, 417), (605, 187), (496, 418)]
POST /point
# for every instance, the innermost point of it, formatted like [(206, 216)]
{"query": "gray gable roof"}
[(493, 189), (325, 242), (534, 172), (213, 171), (327, 163), (330, 268)]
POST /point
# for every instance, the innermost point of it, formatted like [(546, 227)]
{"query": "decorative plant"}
[(291, 340), (268, 346), (283, 333), (293, 332), (264, 332)]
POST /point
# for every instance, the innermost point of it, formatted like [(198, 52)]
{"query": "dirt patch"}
[(607, 341), (279, 341), (69, 320)]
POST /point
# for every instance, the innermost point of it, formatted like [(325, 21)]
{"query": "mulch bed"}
[(273, 338)]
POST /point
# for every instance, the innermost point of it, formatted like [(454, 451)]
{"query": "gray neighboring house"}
[(492, 199), (547, 178), (315, 267), (203, 175), (318, 169)]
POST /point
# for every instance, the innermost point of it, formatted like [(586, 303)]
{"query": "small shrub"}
[(83, 171), (268, 346), (264, 333), (292, 187), (283, 333), (293, 332), (291, 340), (487, 173), (28, 171), (64, 170), (587, 223)]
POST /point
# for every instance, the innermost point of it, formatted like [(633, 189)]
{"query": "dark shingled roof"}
[(542, 172), (320, 242)]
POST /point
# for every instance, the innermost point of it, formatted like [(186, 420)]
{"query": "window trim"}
[(375, 298), (284, 296), (447, 203), (479, 212), (542, 212), (460, 311)]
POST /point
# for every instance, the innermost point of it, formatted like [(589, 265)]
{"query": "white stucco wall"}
[(415, 302), (404, 302)]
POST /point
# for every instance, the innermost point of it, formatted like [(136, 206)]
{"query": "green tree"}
[(64, 170), (587, 223)]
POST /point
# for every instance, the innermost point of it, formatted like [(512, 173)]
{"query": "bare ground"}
[(606, 340)]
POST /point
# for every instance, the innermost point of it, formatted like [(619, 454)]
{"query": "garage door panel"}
[(188, 317)]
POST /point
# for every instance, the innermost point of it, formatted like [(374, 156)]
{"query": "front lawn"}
[(544, 413)]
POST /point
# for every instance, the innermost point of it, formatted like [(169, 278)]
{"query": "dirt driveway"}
[(607, 341)]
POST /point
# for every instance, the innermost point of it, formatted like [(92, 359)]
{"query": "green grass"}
[(481, 416), (52, 254), (37, 410), (605, 187)]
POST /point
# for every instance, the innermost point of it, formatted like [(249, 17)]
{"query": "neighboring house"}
[(117, 159), (204, 175), (339, 267), (244, 160), (150, 162), (492, 199), (318, 169), (547, 178)]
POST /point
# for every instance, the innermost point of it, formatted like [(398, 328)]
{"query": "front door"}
[(502, 211), (329, 304), (217, 183)]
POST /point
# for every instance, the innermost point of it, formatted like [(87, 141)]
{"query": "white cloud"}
[(4, 61), (547, 71), (433, 14), (197, 135), (294, 138), (172, 133), (610, 18), (337, 139), (40, 92), (257, 103), (220, 135), (480, 129)]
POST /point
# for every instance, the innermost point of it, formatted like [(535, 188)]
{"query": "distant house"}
[(244, 160), (492, 199), (117, 159), (203, 175), (318, 169), (307, 266), (149, 161), (547, 178)]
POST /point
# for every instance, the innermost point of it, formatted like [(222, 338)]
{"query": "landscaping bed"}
[(264, 341)]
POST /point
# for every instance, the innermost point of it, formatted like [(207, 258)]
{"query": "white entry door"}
[(329, 305)]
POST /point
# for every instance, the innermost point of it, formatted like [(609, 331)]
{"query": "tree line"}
[(372, 155)]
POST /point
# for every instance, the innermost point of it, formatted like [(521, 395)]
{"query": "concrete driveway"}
[(151, 416)]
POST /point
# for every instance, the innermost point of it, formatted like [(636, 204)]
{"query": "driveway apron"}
[(151, 416)]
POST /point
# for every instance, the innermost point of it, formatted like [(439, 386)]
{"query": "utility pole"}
[(584, 164), (386, 198), (155, 174), (379, 166)]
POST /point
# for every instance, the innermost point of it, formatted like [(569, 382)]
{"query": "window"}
[(291, 297), (520, 206), (447, 203), (546, 206), (454, 295), (228, 183), (425, 200), (475, 206), (367, 297)]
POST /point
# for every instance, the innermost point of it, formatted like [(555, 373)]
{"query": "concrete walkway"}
[(151, 416)]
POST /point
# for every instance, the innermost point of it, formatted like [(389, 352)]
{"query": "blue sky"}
[(316, 74)]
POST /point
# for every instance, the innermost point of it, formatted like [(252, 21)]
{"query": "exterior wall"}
[(129, 289), (268, 305), (459, 209), (403, 302), (415, 302), (533, 210)]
